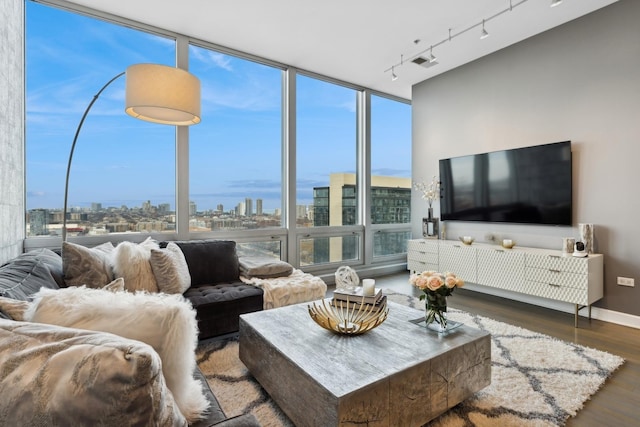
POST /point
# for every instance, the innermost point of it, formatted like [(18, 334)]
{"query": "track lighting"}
[(432, 58), (483, 34), (416, 57)]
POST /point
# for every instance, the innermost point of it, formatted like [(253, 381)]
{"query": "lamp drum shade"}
[(162, 94)]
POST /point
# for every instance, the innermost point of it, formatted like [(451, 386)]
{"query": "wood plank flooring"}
[(618, 402)]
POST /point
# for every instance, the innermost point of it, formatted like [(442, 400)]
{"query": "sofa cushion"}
[(170, 269), (210, 261), (50, 259), (24, 276), (58, 376), (131, 261), (219, 306), (87, 266), (165, 322)]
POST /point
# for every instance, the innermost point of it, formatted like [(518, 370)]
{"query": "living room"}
[(574, 82)]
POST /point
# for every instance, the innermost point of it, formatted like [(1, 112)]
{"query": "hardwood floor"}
[(618, 402)]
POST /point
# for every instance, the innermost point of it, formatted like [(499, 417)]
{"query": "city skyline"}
[(235, 153)]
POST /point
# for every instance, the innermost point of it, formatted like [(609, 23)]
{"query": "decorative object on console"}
[(430, 192), (154, 93), (346, 278), (587, 236), (568, 244), (467, 240), (508, 243), (345, 318), (436, 287), (580, 250)]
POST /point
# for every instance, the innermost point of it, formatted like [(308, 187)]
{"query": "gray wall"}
[(578, 82), (12, 227)]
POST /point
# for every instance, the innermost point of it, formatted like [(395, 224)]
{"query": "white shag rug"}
[(536, 380)]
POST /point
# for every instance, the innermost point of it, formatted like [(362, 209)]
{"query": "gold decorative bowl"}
[(348, 319)]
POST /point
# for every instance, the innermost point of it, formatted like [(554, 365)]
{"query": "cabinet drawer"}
[(460, 260), (420, 266), (501, 269), (557, 277), (428, 257), (422, 245), (556, 262), (556, 292)]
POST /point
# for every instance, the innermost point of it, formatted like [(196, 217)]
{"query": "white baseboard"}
[(603, 314)]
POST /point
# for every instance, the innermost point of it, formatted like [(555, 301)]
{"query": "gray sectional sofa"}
[(217, 294)]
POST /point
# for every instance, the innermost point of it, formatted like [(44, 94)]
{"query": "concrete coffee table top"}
[(397, 374)]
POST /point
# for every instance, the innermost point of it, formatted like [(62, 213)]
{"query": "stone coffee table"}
[(399, 374)]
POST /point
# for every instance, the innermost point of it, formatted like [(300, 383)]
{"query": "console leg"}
[(589, 312)]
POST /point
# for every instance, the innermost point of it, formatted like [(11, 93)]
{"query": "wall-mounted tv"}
[(530, 185)]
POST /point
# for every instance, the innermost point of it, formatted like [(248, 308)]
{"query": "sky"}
[(235, 152)]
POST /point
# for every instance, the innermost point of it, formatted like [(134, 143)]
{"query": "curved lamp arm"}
[(73, 147)]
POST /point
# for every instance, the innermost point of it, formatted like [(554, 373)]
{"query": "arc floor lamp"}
[(154, 93)]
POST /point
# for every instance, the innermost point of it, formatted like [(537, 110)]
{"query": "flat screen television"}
[(530, 185)]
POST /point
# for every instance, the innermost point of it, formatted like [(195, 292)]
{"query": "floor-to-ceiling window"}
[(127, 175), (123, 172), (326, 148), (390, 175), (235, 154)]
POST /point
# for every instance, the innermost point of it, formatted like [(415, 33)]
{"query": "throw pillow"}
[(264, 267), (87, 266), (170, 269), (131, 262), (165, 322), (54, 376)]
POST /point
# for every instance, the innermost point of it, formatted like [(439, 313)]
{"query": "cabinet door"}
[(460, 260), (501, 269), (422, 255)]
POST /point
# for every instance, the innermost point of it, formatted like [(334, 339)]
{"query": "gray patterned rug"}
[(536, 380)]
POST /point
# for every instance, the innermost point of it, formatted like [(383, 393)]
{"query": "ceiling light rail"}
[(451, 36)]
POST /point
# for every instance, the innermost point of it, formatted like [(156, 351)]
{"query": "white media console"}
[(539, 272)]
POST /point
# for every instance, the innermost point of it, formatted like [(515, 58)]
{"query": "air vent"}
[(424, 62)]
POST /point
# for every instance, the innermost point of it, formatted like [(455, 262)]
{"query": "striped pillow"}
[(170, 269)]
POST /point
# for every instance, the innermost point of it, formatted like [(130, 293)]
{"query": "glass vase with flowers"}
[(436, 287)]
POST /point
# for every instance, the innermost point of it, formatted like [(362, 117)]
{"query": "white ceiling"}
[(356, 41)]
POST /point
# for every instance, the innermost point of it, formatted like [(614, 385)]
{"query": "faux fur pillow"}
[(170, 269), (15, 308), (87, 266), (165, 322), (131, 262)]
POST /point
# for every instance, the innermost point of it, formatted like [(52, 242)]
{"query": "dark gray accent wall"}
[(12, 221), (578, 82)]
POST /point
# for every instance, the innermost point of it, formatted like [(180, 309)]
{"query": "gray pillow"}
[(87, 266), (264, 267), (170, 269)]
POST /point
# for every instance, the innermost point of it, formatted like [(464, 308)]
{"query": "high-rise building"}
[(248, 206), (164, 208), (258, 207), (38, 222), (146, 206), (96, 207), (338, 205), (220, 208), (192, 208), (301, 211)]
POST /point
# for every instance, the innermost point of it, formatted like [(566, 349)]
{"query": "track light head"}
[(394, 76), (484, 34), (555, 3), (432, 58)]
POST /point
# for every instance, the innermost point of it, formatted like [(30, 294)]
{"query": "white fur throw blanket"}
[(293, 289), (165, 322)]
